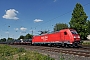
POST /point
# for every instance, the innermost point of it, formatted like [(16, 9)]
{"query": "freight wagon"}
[(64, 37)]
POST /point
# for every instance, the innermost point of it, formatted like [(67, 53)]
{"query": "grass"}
[(10, 53), (86, 43)]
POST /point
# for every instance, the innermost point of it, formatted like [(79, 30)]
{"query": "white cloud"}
[(11, 14), (38, 20), (23, 29)]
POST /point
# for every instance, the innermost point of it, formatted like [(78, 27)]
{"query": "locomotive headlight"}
[(74, 36), (78, 36)]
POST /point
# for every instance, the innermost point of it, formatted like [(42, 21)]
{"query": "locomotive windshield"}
[(73, 32)]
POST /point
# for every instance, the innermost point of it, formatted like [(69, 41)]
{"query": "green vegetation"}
[(8, 53), (3, 40), (27, 36), (60, 26), (79, 21), (86, 43), (88, 24)]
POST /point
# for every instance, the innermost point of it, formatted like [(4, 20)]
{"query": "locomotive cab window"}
[(73, 32), (65, 33)]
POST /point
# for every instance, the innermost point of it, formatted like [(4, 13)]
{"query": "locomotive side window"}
[(65, 33)]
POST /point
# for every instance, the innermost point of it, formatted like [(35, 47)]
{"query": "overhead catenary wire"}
[(46, 21), (57, 17)]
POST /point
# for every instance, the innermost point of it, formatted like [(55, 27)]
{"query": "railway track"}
[(85, 52), (74, 52)]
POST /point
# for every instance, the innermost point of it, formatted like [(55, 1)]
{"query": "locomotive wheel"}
[(75, 45), (58, 46), (49, 45), (71, 46), (66, 45)]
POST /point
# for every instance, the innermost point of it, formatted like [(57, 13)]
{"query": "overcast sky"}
[(19, 17)]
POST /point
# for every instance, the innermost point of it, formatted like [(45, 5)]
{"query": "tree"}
[(21, 37), (88, 28), (60, 26), (79, 21), (3, 40), (10, 39), (28, 36)]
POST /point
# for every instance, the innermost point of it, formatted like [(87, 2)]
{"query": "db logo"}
[(44, 37)]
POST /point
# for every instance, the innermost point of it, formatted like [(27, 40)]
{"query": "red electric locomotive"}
[(64, 37)]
